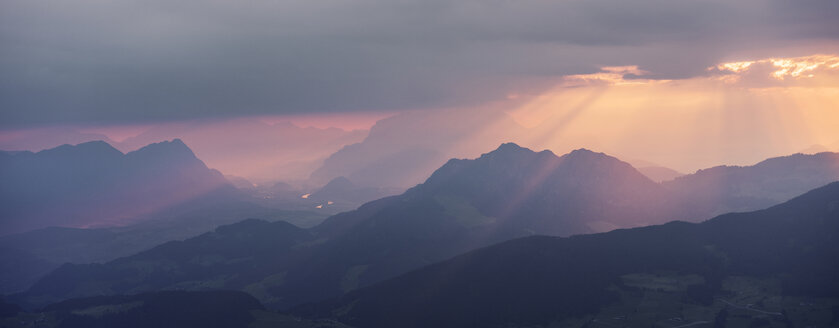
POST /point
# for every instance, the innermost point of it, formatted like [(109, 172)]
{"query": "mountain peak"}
[(509, 150), (175, 148), (509, 146), (587, 157), (584, 153)]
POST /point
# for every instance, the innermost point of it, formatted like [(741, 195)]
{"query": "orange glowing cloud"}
[(781, 68)]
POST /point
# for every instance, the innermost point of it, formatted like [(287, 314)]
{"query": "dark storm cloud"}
[(92, 61)]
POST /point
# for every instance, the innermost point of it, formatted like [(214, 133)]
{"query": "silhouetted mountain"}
[(782, 259), (724, 189), (508, 193), (403, 150), (580, 192), (93, 183), (659, 173)]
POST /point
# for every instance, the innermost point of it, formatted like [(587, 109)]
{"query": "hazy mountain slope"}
[(403, 150), (538, 280), (93, 183), (723, 189), (342, 191), (659, 173), (549, 194)]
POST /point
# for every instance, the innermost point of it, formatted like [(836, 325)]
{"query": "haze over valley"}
[(372, 163)]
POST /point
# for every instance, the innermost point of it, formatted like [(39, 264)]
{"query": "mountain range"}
[(252, 148), (466, 204)]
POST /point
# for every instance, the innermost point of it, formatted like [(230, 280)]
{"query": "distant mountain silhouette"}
[(403, 150), (93, 183), (38, 139), (723, 189), (659, 173), (537, 281), (580, 192)]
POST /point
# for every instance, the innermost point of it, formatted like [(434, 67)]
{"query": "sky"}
[(643, 79), (738, 113)]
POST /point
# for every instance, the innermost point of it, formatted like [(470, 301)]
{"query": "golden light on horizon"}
[(739, 113)]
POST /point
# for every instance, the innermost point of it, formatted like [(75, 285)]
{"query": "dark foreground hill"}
[(28, 256), (770, 267)]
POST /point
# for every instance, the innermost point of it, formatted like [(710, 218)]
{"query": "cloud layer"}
[(93, 61)]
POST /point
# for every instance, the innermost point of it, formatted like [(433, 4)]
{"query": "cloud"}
[(806, 71), (93, 61)]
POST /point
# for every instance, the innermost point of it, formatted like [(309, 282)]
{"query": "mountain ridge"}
[(555, 279)]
